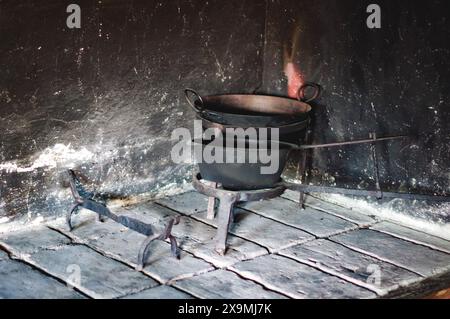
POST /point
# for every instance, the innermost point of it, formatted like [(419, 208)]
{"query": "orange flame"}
[(291, 71)]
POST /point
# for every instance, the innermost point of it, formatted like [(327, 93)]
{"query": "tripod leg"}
[(225, 212)]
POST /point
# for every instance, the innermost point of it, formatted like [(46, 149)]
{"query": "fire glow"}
[(291, 70)]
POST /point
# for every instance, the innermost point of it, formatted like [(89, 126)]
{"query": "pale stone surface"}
[(188, 231), (305, 267), (199, 239), (148, 212), (3, 255), (187, 203), (261, 230), (238, 249), (223, 284), (418, 258), (192, 235), (313, 221), (195, 236), (91, 228), (87, 226), (160, 292), (160, 263), (192, 232), (353, 266), (413, 235), (18, 280), (41, 238), (297, 280), (345, 213), (124, 244), (101, 277)]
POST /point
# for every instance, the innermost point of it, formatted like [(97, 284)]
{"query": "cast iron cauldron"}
[(246, 175), (257, 111)]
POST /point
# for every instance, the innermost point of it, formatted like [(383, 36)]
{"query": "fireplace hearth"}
[(224, 149)]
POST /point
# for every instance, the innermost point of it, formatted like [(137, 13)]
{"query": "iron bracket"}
[(84, 200)]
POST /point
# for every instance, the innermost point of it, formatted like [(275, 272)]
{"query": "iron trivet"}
[(227, 201), (85, 200)]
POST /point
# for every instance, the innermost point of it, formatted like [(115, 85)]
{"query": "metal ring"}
[(301, 92), (192, 104)]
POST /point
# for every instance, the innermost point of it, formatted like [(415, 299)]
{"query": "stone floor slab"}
[(343, 212), (32, 240), (366, 271), (160, 292), (238, 249), (123, 244), (193, 236), (223, 284), (261, 230), (187, 203), (196, 236), (21, 281), (346, 265), (86, 226), (160, 263), (297, 280), (3, 255), (188, 231), (313, 221), (413, 235), (417, 258), (100, 277)]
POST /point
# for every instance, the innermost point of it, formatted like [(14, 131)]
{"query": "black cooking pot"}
[(253, 110), (241, 173)]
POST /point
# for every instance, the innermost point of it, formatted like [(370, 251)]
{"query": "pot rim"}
[(237, 101)]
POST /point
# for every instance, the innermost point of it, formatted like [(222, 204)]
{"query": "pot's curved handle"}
[(301, 92), (192, 104)]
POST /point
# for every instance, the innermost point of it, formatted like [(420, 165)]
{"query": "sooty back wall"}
[(393, 80), (105, 98)]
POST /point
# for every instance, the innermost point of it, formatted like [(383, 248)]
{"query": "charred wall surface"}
[(104, 99), (393, 81)]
